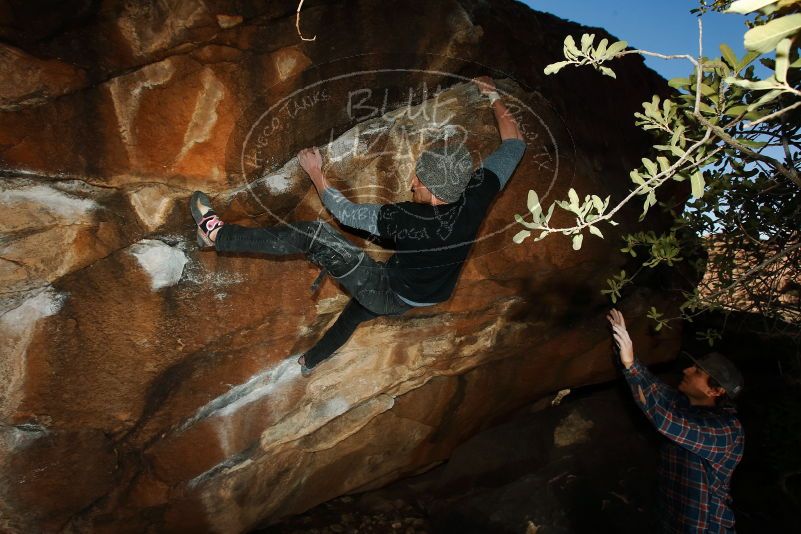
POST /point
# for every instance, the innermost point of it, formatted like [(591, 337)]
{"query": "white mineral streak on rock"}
[(152, 26), (51, 203), (205, 115), (13, 438), (257, 386), (163, 263), (126, 92), (277, 183), (267, 383), (325, 401), (196, 273), (357, 417), (41, 224), (17, 327), (222, 482), (153, 203), (289, 61), (285, 64), (332, 304), (346, 146)]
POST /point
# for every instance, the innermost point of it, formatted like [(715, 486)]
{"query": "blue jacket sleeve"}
[(359, 216), (504, 160)]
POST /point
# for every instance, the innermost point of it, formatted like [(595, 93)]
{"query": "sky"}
[(664, 26)]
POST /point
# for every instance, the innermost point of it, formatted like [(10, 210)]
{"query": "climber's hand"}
[(622, 339), (485, 84), (311, 161)]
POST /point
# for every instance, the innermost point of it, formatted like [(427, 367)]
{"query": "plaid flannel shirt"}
[(696, 464)]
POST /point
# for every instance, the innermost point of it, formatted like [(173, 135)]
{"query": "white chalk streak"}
[(163, 263)]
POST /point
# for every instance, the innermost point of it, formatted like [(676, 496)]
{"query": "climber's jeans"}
[(365, 279)]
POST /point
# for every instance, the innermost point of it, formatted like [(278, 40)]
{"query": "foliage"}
[(734, 136)]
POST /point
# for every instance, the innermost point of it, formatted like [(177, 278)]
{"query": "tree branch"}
[(790, 174), (774, 115), (753, 270)]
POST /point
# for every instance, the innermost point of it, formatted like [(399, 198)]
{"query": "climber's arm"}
[(507, 125), (505, 159), (359, 216)]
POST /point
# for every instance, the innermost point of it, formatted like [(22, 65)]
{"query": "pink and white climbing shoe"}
[(206, 219)]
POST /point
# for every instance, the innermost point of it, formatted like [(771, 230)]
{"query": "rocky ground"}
[(584, 465)]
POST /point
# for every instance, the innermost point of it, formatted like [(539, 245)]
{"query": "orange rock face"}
[(149, 385)]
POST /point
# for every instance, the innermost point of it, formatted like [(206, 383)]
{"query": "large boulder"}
[(147, 385)]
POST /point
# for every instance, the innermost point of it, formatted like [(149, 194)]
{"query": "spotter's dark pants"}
[(366, 280)]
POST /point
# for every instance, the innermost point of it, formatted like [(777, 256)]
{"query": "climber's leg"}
[(368, 284), (352, 316), (284, 239)]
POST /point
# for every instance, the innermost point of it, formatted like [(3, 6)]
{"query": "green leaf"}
[(782, 59), (706, 90), (747, 59), (550, 212), (715, 65), (734, 111), (636, 178), (760, 85), (615, 48), (573, 196), (679, 83), (598, 203), (751, 143), (607, 71), (600, 50), (678, 152), (729, 55), (706, 108), (767, 97), (570, 46), (542, 234), (586, 42), (520, 220), (534, 204), (765, 38), (664, 164), (645, 206), (595, 231), (520, 236), (650, 166), (678, 134), (577, 239), (747, 6), (697, 184), (553, 68)]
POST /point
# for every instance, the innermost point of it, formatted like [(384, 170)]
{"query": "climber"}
[(704, 438), (432, 234)]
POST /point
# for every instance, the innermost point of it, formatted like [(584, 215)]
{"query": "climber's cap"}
[(445, 169), (722, 370)]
